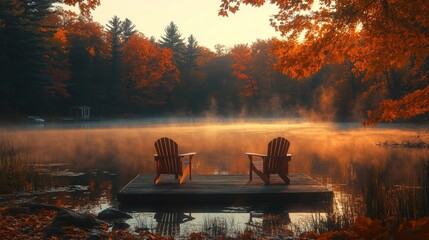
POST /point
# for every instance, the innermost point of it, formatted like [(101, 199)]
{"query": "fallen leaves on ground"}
[(32, 226)]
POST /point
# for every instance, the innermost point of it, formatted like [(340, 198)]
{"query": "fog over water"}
[(336, 154), (127, 147)]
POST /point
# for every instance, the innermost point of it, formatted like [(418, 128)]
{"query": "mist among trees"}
[(52, 59)]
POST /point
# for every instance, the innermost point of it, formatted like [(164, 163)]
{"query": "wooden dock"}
[(226, 189)]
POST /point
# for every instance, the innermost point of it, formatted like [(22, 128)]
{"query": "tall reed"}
[(219, 227), (13, 169), (403, 201)]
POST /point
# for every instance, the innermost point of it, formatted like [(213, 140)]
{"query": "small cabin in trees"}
[(82, 112)]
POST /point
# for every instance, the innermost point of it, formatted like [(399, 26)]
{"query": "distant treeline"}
[(52, 60)]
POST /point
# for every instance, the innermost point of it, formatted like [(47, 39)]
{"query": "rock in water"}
[(111, 213), (120, 226)]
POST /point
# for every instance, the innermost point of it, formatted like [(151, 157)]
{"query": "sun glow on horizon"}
[(197, 17)]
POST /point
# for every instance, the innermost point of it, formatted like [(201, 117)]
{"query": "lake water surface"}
[(95, 160)]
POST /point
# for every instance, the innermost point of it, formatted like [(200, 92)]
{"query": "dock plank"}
[(204, 189)]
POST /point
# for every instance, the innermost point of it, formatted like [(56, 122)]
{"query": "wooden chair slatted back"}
[(276, 155), (168, 156)]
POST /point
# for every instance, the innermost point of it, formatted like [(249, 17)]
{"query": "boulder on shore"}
[(67, 217)]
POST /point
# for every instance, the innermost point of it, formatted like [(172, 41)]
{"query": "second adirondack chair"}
[(169, 161), (276, 161)]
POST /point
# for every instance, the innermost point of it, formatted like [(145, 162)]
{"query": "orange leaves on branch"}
[(85, 6), (411, 105), (228, 6), (60, 37), (371, 34), (375, 36), (298, 61), (234, 5)]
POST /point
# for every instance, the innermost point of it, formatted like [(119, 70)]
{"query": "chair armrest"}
[(187, 154), (191, 154), (289, 156), (256, 155)]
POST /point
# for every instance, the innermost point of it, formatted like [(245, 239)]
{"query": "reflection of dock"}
[(169, 222), (303, 194)]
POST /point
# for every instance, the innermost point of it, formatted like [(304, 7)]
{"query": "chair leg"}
[(250, 167), (285, 178), (260, 174), (265, 179), (284, 173), (186, 171), (156, 180), (250, 172), (190, 167)]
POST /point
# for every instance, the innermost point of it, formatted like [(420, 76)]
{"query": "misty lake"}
[(92, 161)]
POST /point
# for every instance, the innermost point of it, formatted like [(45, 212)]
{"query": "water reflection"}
[(168, 223), (272, 224), (225, 224), (110, 154)]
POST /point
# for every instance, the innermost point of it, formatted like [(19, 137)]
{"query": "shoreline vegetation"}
[(13, 169), (42, 221)]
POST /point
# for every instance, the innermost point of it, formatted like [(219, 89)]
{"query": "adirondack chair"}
[(169, 161), (276, 161)]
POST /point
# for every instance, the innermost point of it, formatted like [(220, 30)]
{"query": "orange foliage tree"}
[(254, 67), (149, 71), (57, 59), (242, 57), (206, 56), (262, 70), (376, 36), (90, 36), (87, 53)]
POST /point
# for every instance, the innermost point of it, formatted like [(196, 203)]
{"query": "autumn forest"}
[(368, 60)]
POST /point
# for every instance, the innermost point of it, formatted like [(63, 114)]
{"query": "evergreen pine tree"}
[(23, 54), (128, 29), (172, 40), (115, 30), (192, 52)]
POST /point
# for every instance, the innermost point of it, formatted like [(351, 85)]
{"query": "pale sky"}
[(197, 17)]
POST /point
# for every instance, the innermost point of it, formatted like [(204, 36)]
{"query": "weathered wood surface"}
[(204, 189)]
